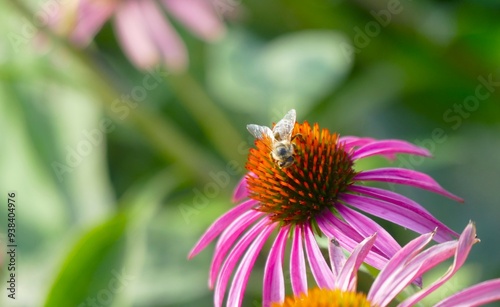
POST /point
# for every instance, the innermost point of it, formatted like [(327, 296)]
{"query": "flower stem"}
[(220, 130)]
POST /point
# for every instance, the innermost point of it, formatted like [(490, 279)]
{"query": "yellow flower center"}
[(326, 298)]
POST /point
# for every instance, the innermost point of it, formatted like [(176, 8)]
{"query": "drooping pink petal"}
[(274, 284), (298, 276), (261, 227), (428, 258), (477, 295), (465, 242), (410, 208), (227, 239), (405, 217), (389, 147), (133, 35), (240, 280), (382, 289), (91, 16), (241, 190), (413, 268), (406, 177), (320, 270), (219, 225), (164, 37), (332, 227), (337, 257), (347, 278), (197, 15), (366, 227)]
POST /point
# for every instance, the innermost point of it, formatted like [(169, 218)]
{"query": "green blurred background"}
[(112, 195)]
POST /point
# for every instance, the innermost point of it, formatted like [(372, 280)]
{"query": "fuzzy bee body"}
[(282, 148)]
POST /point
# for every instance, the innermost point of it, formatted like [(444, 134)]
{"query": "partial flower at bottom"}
[(406, 265), (321, 193)]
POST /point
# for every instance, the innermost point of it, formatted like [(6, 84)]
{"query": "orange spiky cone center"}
[(295, 194)]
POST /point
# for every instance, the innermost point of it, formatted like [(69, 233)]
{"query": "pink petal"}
[(407, 177), (430, 257), (405, 217), (320, 270), (219, 225), (382, 289), (198, 15), (241, 190), (354, 141), (332, 227), (389, 147), (477, 295), (412, 210), (274, 284), (415, 267), (297, 264), (337, 257), (259, 228), (226, 240), (465, 242), (240, 280), (347, 279), (164, 36), (92, 14), (133, 34), (366, 227)]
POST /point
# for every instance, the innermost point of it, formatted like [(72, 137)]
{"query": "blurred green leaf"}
[(109, 256), (91, 265)]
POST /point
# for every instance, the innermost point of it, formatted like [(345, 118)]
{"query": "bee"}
[(282, 148)]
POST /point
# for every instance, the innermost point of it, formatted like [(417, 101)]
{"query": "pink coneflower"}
[(320, 193), (403, 268), (143, 30)]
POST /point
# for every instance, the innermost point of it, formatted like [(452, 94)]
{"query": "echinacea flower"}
[(407, 264), (320, 193), (144, 31)]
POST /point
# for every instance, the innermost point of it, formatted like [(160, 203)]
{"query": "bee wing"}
[(260, 131), (283, 129)]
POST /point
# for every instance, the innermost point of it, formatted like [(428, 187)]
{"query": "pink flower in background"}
[(404, 267), (322, 193), (143, 29)]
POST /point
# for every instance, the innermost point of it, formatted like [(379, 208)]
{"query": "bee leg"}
[(273, 159), (286, 163), (295, 145), (298, 135)]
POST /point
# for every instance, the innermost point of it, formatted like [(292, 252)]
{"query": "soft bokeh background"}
[(111, 195)]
